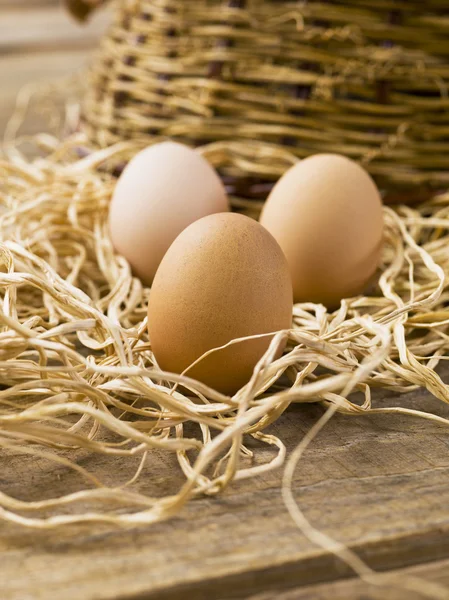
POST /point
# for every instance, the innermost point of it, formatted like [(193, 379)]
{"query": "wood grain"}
[(378, 484), (437, 573)]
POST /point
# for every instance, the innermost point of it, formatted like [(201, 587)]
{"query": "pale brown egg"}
[(164, 188), (326, 214), (223, 278)]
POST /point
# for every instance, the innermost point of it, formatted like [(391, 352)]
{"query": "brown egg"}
[(326, 214), (162, 190), (224, 277)]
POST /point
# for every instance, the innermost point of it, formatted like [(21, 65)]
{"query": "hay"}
[(366, 79), (77, 364)]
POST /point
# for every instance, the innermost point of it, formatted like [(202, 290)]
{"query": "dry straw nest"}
[(366, 79), (76, 365)]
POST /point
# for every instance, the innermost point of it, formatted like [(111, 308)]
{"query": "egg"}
[(224, 277), (326, 214), (163, 189)]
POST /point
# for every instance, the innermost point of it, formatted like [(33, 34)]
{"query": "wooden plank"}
[(28, 3), (18, 70), (47, 46), (378, 484), (355, 589), (47, 28)]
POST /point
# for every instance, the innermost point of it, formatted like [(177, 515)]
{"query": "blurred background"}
[(39, 40)]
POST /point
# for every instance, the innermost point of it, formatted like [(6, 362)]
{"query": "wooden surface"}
[(378, 484), (436, 572), (39, 42)]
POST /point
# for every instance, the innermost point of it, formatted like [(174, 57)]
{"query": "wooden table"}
[(378, 484)]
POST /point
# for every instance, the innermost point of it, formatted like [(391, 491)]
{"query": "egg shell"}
[(223, 278), (162, 190), (326, 214)]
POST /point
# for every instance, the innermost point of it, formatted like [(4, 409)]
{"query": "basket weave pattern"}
[(366, 79)]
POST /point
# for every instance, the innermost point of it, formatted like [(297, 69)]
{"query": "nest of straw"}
[(76, 363), (365, 79)]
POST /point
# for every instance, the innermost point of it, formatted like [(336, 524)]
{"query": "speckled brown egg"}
[(326, 214), (163, 189), (223, 278)]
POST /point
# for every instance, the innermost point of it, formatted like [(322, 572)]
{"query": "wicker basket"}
[(365, 78)]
